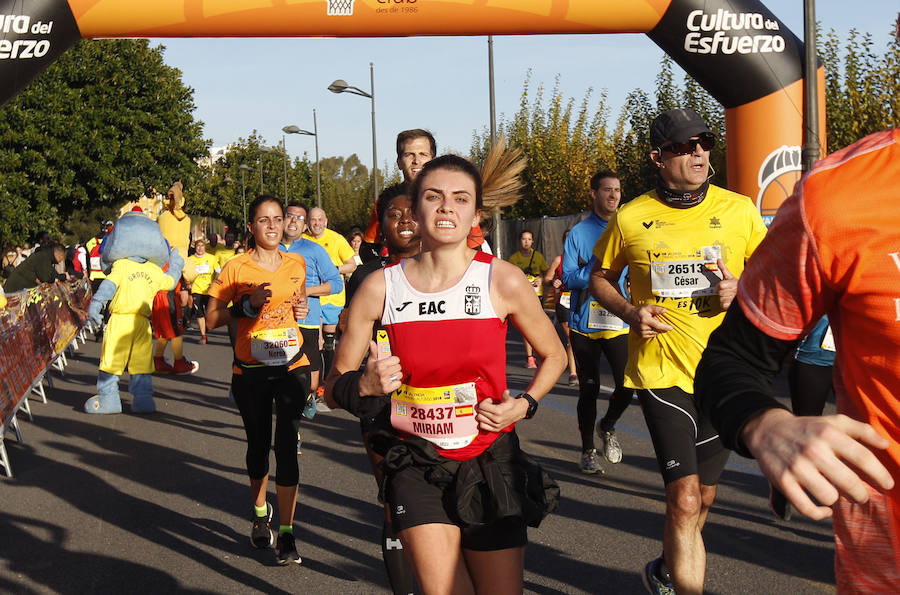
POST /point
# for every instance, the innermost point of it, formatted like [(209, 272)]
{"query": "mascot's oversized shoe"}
[(143, 405), (103, 404)]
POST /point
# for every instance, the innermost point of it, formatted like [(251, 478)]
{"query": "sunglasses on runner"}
[(706, 142)]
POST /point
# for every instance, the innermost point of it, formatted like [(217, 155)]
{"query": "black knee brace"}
[(328, 346)]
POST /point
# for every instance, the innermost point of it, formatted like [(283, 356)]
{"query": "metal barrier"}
[(36, 327)]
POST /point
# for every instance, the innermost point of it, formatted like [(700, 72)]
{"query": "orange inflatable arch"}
[(737, 49)]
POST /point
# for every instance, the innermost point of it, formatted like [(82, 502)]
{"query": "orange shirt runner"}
[(273, 337), (834, 249)]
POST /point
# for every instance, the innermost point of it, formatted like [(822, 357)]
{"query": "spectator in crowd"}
[(355, 239), (10, 258), (534, 266), (40, 267)]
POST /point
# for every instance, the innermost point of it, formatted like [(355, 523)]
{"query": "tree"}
[(862, 91), (563, 147), (100, 126)]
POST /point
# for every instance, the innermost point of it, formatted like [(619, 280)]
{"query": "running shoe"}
[(590, 463), (531, 363), (161, 366), (261, 535), (185, 366), (203, 339), (612, 450), (654, 584), (310, 408), (780, 505), (573, 379), (286, 550)]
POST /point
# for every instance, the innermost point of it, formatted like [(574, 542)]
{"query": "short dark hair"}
[(297, 203), (408, 135), (385, 198), (451, 163), (602, 175), (524, 231)]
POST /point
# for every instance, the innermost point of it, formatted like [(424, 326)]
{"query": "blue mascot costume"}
[(133, 257)]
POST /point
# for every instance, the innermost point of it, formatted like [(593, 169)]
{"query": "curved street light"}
[(341, 86), (291, 129), (244, 169)]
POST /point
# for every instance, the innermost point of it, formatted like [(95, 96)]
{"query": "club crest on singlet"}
[(473, 300)]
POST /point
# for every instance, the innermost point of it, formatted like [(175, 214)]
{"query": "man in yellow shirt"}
[(684, 243), (342, 256)]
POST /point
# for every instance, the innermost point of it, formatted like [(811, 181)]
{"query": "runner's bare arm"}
[(217, 313), (642, 318), (511, 295)]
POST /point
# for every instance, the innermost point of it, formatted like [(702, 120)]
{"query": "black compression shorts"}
[(685, 442), (311, 349)]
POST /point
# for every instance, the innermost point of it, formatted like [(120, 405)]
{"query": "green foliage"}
[(862, 89), (347, 195), (564, 147), (99, 127)]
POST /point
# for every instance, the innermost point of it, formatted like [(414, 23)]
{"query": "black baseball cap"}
[(676, 126)]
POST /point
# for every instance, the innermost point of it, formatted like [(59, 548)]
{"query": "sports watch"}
[(532, 404)]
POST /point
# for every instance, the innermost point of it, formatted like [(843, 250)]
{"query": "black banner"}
[(736, 49), (33, 33)]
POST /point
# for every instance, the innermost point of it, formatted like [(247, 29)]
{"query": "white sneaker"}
[(612, 450)]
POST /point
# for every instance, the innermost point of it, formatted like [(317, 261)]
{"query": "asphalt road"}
[(160, 503)]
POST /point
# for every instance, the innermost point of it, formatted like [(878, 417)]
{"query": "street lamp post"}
[(341, 86), (291, 129), (284, 149), (244, 169), (262, 150)]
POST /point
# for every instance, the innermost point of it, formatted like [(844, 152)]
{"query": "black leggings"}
[(587, 354), (254, 391), (810, 385)]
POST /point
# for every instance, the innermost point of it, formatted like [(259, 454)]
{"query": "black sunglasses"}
[(706, 142)]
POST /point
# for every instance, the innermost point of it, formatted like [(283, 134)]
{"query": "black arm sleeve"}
[(346, 394), (733, 383)]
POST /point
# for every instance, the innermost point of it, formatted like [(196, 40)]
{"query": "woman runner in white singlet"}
[(446, 312)]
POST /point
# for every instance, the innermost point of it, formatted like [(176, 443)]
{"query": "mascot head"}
[(137, 237), (175, 200)]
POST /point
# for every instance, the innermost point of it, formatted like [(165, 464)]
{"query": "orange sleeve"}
[(782, 290)]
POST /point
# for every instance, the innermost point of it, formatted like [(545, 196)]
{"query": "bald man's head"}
[(317, 222)]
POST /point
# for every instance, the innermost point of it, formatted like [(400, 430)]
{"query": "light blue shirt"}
[(319, 269)]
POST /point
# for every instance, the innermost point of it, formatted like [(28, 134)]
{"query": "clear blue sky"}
[(434, 83)]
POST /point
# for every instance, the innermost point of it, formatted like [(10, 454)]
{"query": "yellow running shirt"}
[(340, 252), (672, 255), (206, 266)]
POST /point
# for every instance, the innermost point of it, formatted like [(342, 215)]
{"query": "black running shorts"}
[(686, 443), (413, 501)]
